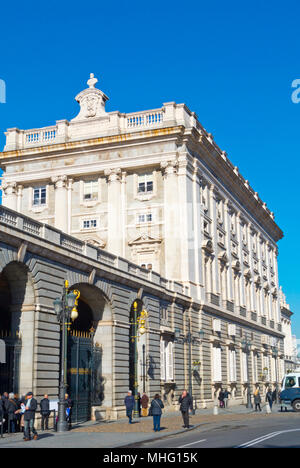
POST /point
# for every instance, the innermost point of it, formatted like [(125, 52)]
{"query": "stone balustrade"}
[(23, 223)]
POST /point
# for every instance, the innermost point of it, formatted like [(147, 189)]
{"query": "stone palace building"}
[(153, 187)]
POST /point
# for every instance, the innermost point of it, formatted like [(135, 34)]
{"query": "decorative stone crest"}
[(91, 100)]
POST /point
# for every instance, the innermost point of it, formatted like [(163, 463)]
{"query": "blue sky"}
[(232, 63)]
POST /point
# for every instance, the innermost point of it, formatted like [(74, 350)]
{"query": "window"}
[(217, 367), (166, 360), (290, 382), (144, 218), (39, 196), (145, 183), (244, 367), (163, 315), (232, 365), (89, 223), (90, 190)]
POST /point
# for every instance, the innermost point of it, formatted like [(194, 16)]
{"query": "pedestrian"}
[(221, 398), (139, 403), (186, 403), (1, 414), (144, 403), (69, 410), (226, 394), (29, 416), (129, 404), (45, 412), (11, 407), (269, 398), (5, 414), (257, 400), (156, 411), (274, 395)]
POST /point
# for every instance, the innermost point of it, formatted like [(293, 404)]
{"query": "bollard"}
[(268, 409), (216, 411)]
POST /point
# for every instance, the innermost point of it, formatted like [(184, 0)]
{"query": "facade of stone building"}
[(153, 187)]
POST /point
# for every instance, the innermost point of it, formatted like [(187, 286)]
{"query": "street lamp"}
[(246, 343), (66, 310), (138, 326), (191, 340), (275, 353)]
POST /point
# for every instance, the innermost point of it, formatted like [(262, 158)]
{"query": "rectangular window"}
[(232, 365), (89, 224), (166, 360), (90, 190), (39, 196), (144, 218), (217, 366), (145, 183)]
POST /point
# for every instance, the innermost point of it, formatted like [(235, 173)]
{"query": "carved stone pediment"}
[(144, 239)]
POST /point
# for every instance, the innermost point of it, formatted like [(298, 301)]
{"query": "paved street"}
[(235, 427)]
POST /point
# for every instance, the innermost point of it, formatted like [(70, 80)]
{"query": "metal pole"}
[(62, 425), (249, 404), (144, 368), (136, 406), (189, 338)]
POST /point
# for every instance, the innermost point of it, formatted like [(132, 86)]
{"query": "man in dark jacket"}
[(186, 403), (129, 403), (29, 416), (45, 412)]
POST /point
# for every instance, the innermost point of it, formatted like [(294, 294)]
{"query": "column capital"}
[(169, 167), (9, 188), (113, 174), (59, 181)]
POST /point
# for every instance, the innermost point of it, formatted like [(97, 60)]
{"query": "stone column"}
[(171, 220), (114, 211), (61, 202), (9, 190)]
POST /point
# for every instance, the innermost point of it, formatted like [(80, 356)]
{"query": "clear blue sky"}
[(232, 63)]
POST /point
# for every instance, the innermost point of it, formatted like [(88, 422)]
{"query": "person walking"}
[(186, 403), (69, 410), (257, 400), (226, 394), (45, 412), (29, 416), (11, 407), (5, 414), (144, 403), (129, 404), (269, 398), (221, 398), (156, 411)]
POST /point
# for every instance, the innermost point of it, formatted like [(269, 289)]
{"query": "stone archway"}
[(95, 312), (17, 315)]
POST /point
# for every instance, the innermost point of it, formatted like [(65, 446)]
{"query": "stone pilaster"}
[(61, 202), (114, 214)]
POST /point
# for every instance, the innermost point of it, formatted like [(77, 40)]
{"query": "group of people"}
[(18, 414), (270, 398), (155, 410)]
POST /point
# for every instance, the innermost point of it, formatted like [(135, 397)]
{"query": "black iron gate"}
[(83, 375), (10, 370)]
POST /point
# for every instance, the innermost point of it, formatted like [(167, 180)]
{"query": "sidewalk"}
[(113, 434)]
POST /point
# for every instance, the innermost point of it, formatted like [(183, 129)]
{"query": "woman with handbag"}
[(156, 411)]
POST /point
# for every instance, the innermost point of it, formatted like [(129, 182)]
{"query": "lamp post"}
[(190, 340), (65, 309), (138, 326), (247, 346), (275, 352)]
